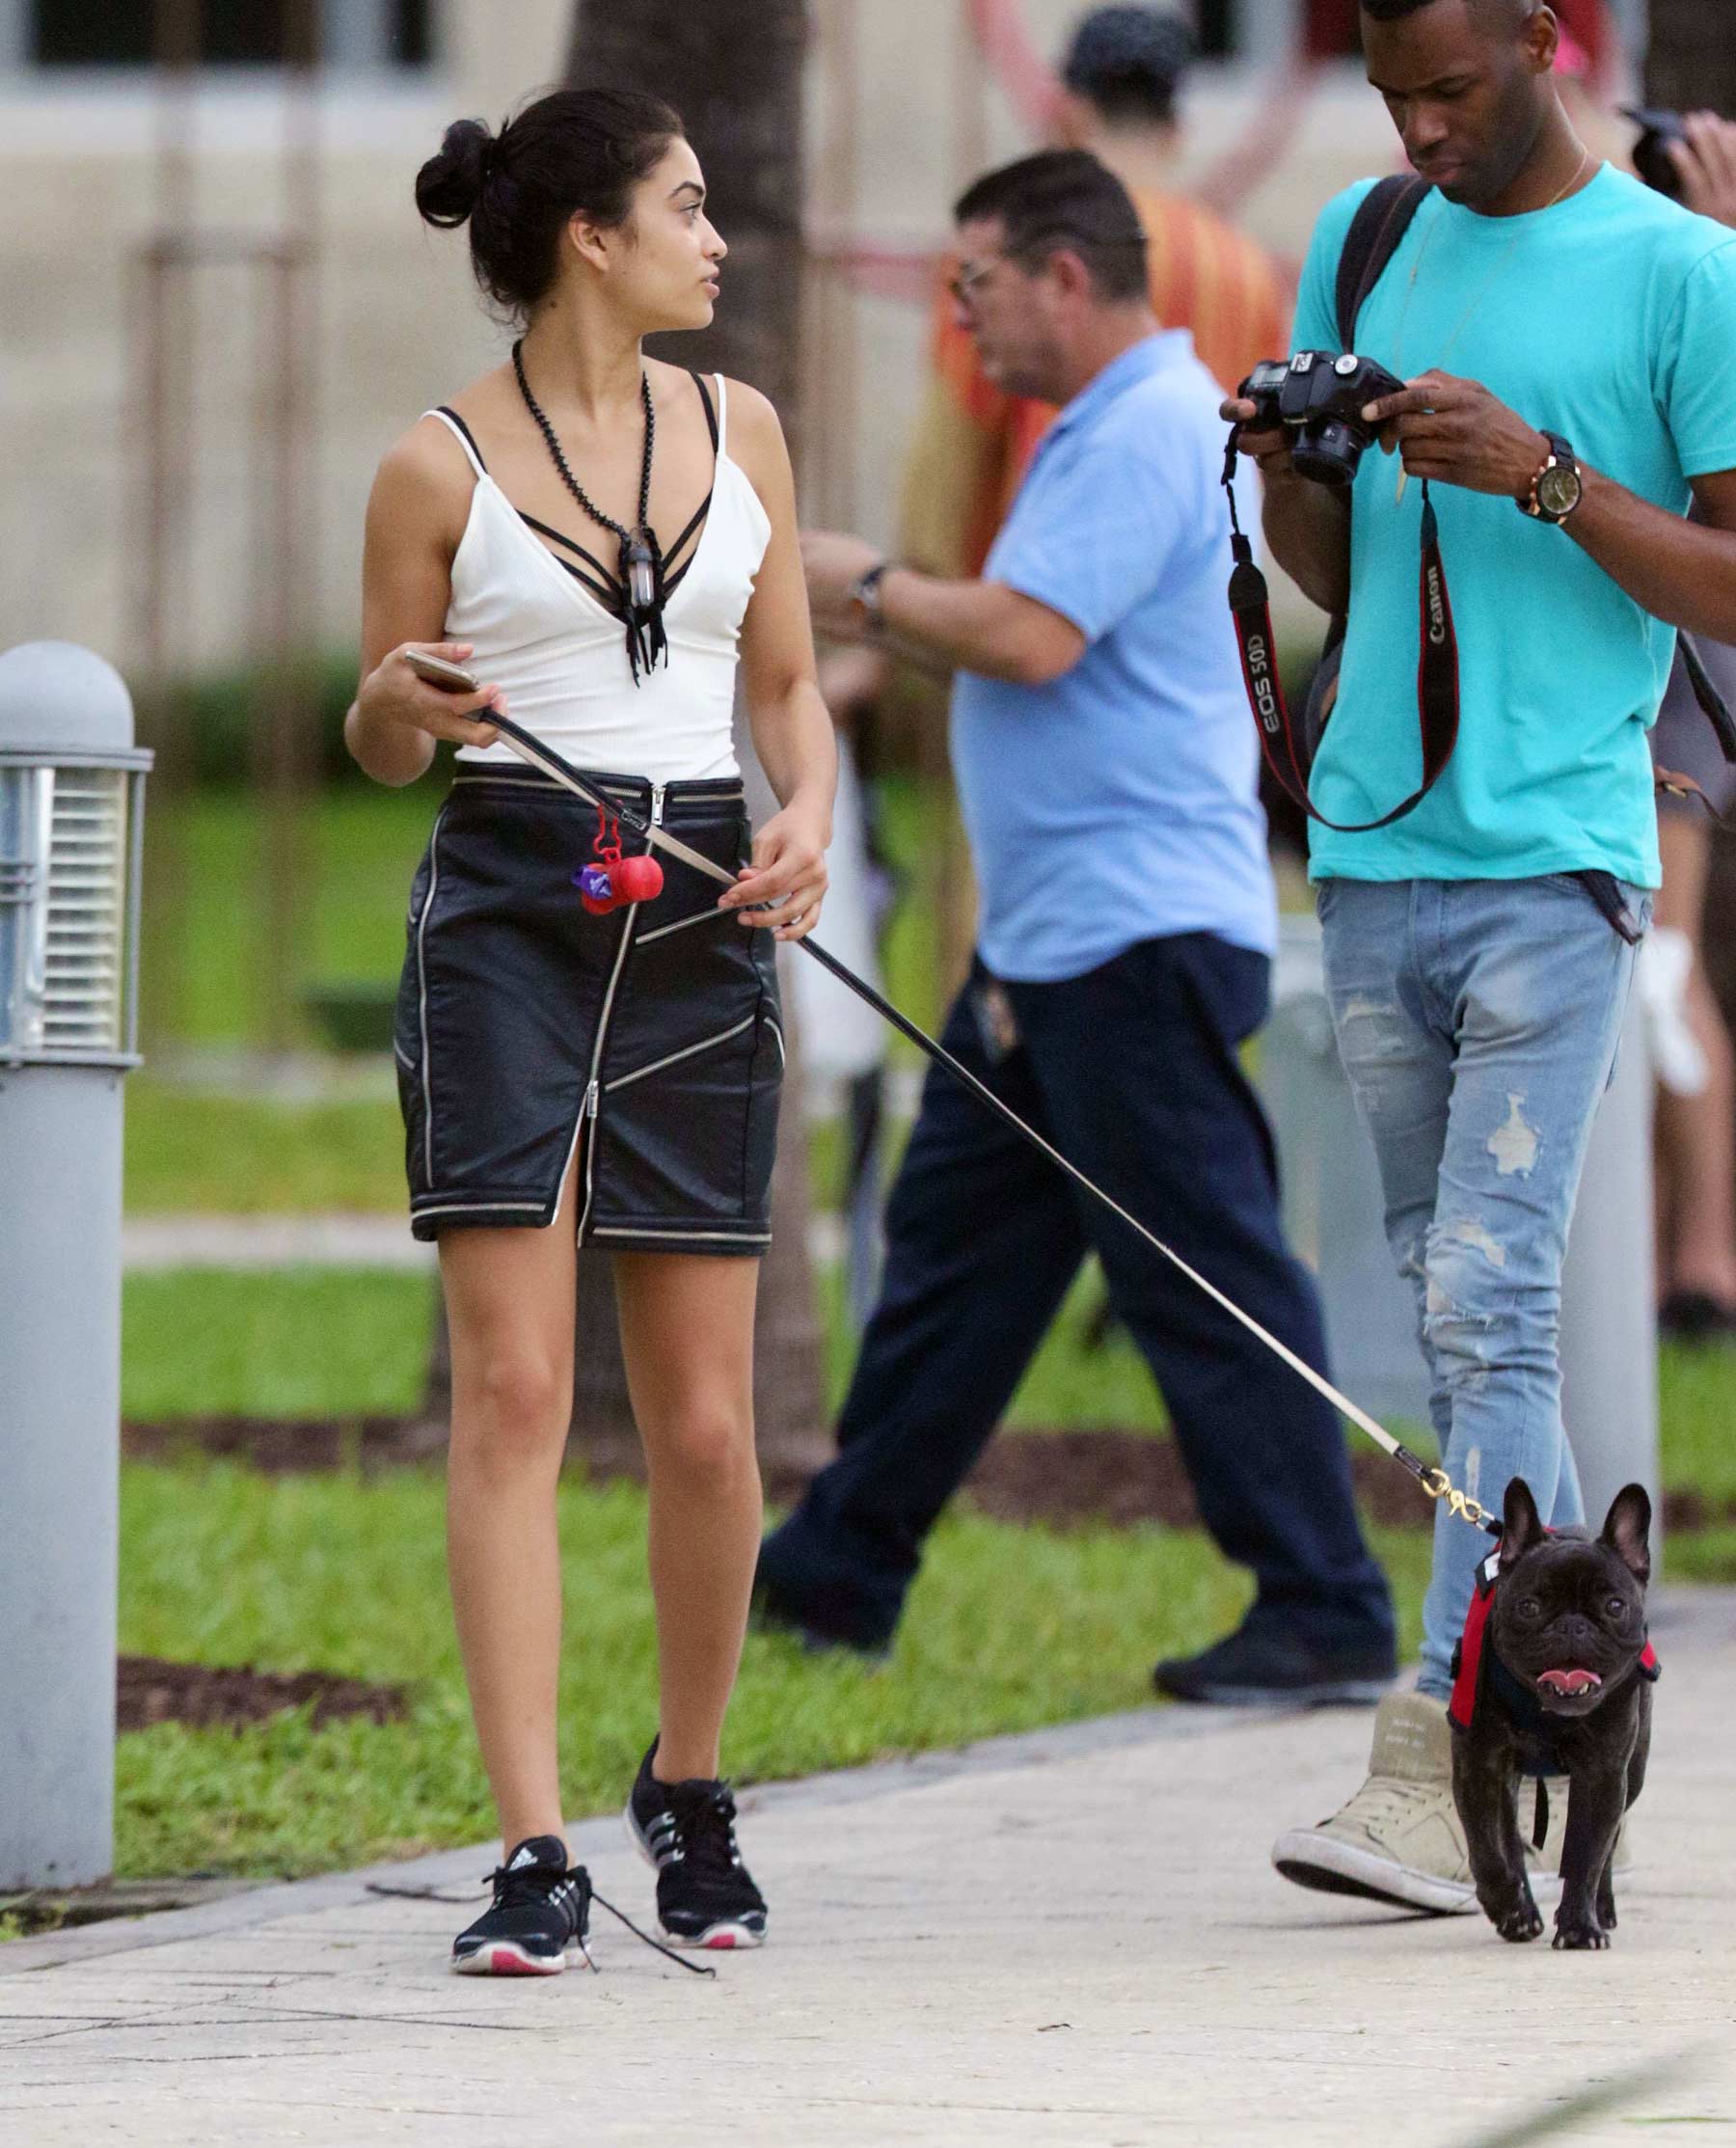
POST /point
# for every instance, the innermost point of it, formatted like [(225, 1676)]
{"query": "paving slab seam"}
[(1692, 1617), (591, 1839)]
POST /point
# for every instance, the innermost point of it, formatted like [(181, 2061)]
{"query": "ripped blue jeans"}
[(1478, 1022)]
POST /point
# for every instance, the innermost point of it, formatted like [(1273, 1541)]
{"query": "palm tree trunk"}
[(734, 73), (733, 69)]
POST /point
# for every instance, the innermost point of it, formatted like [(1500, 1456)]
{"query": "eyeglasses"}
[(1030, 255), (970, 274)]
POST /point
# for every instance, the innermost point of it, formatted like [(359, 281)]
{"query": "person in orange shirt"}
[(1120, 81)]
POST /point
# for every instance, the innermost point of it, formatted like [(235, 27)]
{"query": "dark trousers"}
[(1131, 1073)]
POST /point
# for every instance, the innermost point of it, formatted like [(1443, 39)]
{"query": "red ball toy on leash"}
[(613, 881), (619, 882)]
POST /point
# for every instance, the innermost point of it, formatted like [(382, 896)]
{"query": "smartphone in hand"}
[(437, 672)]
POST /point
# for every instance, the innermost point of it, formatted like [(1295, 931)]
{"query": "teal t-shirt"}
[(1609, 320)]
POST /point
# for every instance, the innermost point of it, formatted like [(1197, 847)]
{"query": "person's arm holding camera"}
[(1455, 432)]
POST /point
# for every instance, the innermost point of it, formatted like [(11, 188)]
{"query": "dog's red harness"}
[(1529, 1715)]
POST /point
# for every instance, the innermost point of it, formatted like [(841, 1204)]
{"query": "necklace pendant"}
[(641, 577)]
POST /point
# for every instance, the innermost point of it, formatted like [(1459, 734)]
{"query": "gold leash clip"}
[(1439, 1486)]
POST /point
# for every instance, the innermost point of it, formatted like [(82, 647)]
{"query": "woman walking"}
[(575, 1077)]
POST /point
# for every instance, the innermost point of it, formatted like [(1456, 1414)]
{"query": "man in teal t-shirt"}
[(1568, 341)]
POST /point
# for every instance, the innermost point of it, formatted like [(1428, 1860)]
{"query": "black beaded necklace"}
[(642, 569)]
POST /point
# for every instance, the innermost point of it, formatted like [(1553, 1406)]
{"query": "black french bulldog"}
[(1555, 1678)]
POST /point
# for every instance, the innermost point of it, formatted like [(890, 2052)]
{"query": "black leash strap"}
[(1287, 753), (1434, 1481)]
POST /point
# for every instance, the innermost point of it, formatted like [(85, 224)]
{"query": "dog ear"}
[(1521, 1524), (1628, 1529)]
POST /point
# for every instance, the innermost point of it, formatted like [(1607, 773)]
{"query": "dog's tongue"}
[(1570, 1682)]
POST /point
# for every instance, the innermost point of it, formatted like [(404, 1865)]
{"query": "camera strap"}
[(1437, 669)]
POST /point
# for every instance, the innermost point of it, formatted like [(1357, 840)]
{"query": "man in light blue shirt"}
[(1566, 337), (1117, 801), (1106, 769)]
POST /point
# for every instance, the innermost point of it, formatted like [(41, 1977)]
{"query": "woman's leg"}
[(687, 1335), (1695, 1137), (510, 1303)]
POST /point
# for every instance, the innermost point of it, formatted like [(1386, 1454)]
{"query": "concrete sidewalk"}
[(1072, 1938)]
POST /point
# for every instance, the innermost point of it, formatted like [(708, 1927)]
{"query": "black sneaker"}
[(1256, 1667), (704, 1894), (537, 1924)]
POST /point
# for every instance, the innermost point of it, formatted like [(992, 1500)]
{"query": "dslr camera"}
[(1318, 397)]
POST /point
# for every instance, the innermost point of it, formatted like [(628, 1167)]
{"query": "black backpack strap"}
[(1376, 233), (1705, 691)]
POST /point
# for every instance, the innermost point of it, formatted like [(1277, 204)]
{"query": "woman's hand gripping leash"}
[(1434, 1481)]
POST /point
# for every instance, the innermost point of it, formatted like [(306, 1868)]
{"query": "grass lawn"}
[(1012, 1628), (200, 1151), (337, 1343), (323, 1343), (362, 846)]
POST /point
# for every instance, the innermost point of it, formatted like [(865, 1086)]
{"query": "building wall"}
[(400, 323)]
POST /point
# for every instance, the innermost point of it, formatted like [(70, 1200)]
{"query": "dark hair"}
[(1130, 63), (1066, 200), (1499, 13), (574, 151)]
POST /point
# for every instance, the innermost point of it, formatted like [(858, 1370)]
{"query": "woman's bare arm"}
[(414, 518), (792, 730)]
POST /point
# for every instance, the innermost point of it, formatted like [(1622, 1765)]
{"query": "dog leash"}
[(1433, 1480)]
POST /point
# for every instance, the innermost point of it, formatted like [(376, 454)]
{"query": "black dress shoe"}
[(1696, 1317), (1257, 1667)]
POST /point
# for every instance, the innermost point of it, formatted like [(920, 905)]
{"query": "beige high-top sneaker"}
[(1399, 1839)]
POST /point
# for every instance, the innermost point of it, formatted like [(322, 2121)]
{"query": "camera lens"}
[(1329, 451)]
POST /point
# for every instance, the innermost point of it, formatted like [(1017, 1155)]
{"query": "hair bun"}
[(449, 184)]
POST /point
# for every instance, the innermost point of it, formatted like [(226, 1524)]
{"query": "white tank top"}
[(560, 656)]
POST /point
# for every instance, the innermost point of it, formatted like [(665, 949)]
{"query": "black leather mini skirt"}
[(646, 1043)]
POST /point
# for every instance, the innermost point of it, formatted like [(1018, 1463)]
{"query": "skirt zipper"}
[(593, 1093)]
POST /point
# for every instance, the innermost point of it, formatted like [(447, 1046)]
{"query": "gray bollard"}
[(1332, 1211), (71, 800)]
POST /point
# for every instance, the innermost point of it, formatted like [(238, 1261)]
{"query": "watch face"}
[(1559, 490)]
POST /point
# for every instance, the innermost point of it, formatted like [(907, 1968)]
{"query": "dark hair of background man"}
[(1498, 14), (1064, 200), (1129, 63)]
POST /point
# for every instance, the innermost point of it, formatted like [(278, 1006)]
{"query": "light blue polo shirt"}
[(1119, 803), (1609, 320)]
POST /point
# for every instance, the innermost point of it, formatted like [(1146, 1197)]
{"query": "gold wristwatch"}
[(1557, 488)]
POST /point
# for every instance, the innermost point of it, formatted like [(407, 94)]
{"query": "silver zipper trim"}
[(593, 1089), (783, 1057), (639, 1073), (420, 1209), (474, 775), (421, 990), (530, 783), (736, 1237)]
